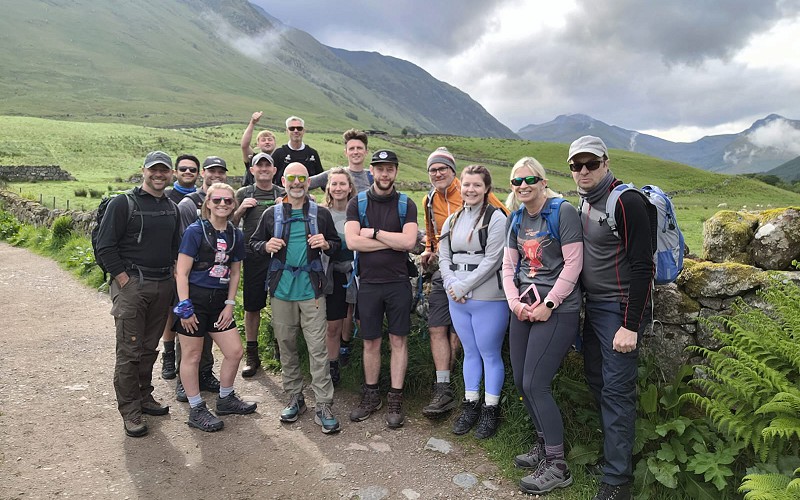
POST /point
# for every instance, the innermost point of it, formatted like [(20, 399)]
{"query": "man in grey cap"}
[(254, 200), (618, 270), (131, 246)]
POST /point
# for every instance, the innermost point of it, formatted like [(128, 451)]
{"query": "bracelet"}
[(230, 302)]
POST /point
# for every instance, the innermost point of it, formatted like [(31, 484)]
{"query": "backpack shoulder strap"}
[(362, 209), (277, 213), (483, 232), (429, 209), (370, 177), (313, 210), (611, 205), (551, 213), (402, 209)]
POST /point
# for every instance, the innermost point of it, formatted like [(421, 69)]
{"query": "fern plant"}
[(750, 388)]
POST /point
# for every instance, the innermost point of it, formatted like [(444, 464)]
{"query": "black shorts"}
[(391, 299), (438, 303), (208, 304), (254, 281), (336, 302)]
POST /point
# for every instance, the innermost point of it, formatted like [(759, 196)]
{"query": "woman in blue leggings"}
[(541, 264), (470, 256)]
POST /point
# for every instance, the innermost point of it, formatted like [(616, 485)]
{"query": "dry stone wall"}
[(34, 173)]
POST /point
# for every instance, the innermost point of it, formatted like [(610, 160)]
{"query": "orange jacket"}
[(439, 208)]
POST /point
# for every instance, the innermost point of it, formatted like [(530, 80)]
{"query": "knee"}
[(235, 353)]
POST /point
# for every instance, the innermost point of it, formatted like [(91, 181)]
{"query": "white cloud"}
[(778, 134)]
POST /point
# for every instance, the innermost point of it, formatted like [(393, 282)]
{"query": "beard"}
[(384, 185)]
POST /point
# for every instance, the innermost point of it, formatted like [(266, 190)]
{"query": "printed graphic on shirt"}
[(532, 249), (219, 269)]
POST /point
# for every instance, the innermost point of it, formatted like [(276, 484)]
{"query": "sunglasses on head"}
[(293, 129), (590, 165), (188, 169), (222, 199), (298, 178), (529, 180)]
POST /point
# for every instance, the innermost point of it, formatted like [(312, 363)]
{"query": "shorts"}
[(254, 281), (208, 304), (337, 305), (390, 299), (438, 303)]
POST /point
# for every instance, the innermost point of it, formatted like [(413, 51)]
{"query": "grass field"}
[(103, 157)]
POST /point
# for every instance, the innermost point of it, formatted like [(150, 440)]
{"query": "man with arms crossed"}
[(383, 243)]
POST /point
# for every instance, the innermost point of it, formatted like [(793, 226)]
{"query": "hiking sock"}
[(169, 346), (371, 386), (224, 392), (555, 452), (443, 376), (472, 396), (194, 401), (491, 399), (392, 389), (252, 344)]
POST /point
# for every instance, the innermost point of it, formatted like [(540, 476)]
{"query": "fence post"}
[(54, 202), (40, 199), (67, 203)]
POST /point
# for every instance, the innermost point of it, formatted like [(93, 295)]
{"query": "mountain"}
[(764, 145), (184, 62), (789, 171)]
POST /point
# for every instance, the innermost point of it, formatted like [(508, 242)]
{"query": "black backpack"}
[(101, 212)]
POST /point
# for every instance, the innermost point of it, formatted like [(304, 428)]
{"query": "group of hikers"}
[(526, 268)]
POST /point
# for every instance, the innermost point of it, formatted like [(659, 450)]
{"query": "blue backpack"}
[(550, 212), (277, 231)]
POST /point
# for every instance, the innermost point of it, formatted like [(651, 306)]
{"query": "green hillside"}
[(102, 155)]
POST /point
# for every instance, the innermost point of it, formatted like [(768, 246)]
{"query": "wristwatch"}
[(549, 304), (375, 233)]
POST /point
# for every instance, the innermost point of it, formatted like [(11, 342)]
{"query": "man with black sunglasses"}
[(296, 151), (617, 284)]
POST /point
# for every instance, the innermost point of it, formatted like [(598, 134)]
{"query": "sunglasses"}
[(298, 178), (591, 166), (293, 129), (188, 169), (222, 199), (529, 180)]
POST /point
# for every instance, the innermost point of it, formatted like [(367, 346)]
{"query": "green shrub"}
[(61, 232), (80, 192), (9, 225), (95, 193)]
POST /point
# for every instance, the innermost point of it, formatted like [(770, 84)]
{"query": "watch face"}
[(549, 304)]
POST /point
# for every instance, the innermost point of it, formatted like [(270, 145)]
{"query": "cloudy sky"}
[(678, 69)]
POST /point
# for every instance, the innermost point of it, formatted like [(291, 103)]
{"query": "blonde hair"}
[(205, 212), (263, 133), (338, 171), (538, 170)]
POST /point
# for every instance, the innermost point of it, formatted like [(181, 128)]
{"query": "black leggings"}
[(537, 349)]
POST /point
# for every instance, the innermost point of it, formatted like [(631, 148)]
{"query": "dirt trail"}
[(61, 435)]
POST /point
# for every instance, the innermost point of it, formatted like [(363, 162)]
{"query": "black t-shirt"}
[(285, 155), (265, 200)]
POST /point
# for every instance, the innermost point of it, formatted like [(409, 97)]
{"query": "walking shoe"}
[(180, 393), (201, 418), (470, 413), (232, 404), (252, 362), (613, 492), (295, 408), (531, 459), (208, 382), (395, 417), (135, 427), (336, 374), (168, 365), (549, 475), (370, 403), (443, 401), (153, 407), (487, 425), (323, 416), (344, 355)]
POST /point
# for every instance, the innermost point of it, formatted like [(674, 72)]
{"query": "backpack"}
[(550, 213), (204, 259), (197, 199), (277, 231), (668, 240), (483, 231)]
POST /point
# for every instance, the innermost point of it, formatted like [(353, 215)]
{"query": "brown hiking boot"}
[(135, 427), (370, 403), (395, 417), (443, 401), (252, 362)]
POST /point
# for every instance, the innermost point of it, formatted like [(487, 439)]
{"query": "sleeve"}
[(240, 195), (112, 230), (238, 252), (317, 164), (445, 257), (190, 243), (187, 213), (511, 257), (491, 259), (569, 227), (411, 213), (352, 210), (633, 221), (318, 181), (331, 235), (263, 231)]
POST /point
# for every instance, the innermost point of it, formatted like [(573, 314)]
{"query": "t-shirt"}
[(285, 155), (228, 247), (383, 266), (265, 200), (339, 218), (294, 287), (541, 260)]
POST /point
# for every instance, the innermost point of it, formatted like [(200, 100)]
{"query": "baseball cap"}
[(588, 144), (260, 156), (443, 156), (214, 161), (384, 156), (154, 158)]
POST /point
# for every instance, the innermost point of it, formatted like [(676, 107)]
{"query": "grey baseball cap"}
[(154, 158), (215, 161), (260, 156), (588, 144)]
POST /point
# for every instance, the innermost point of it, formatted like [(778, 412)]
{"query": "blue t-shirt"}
[(296, 287), (218, 273)]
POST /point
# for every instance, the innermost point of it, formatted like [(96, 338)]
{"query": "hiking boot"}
[(135, 427), (443, 401), (531, 459), (295, 408), (208, 382), (370, 403), (180, 393), (231, 404), (323, 416), (487, 425), (168, 365), (344, 355), (336, 374), (613, 492), (549, 475), (252, 362), (395, 417), (153, 407), (201, 418), (470, 413)]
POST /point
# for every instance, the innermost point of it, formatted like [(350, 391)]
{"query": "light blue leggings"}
[(481, 326)]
